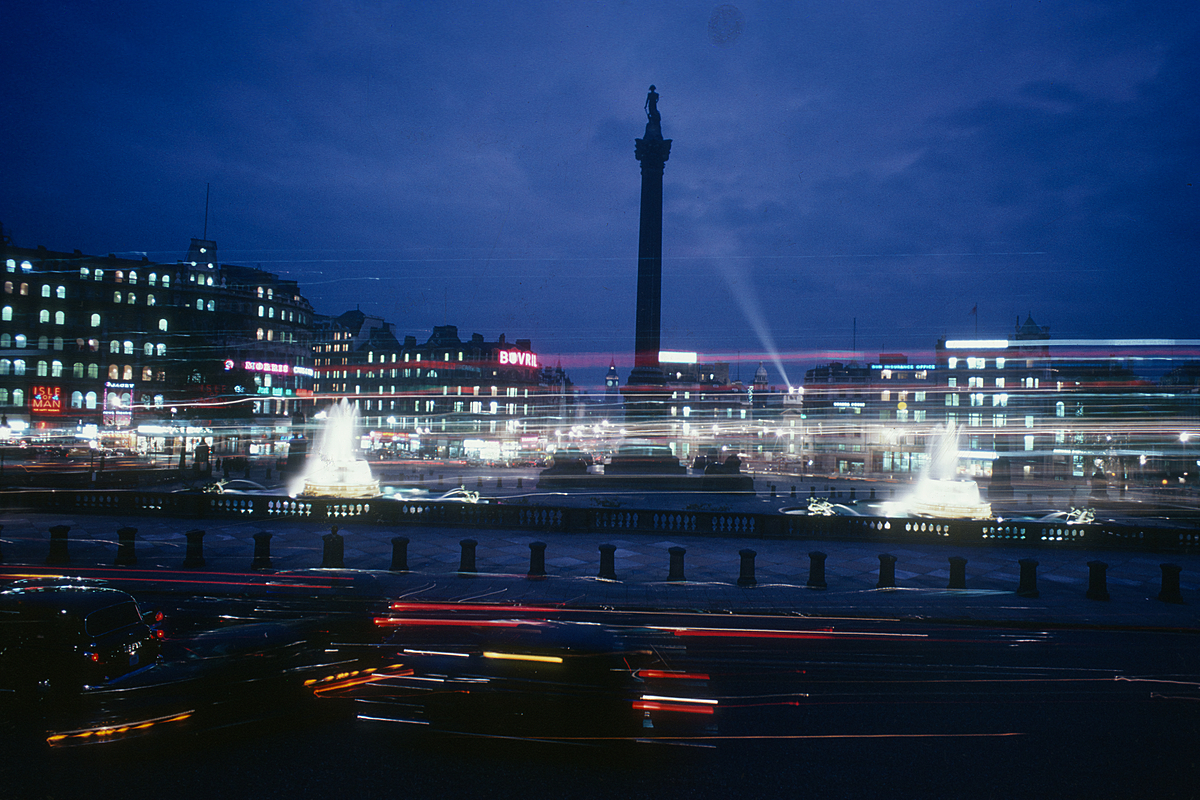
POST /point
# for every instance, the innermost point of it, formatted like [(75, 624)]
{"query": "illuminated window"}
[(147, 374), (127, 373), (211, 305), (60, 318), (18, 396), (1029, 443), (131, 298), (952, 382), (12, 265), (44, 315), (89, 400), (95, 320), (45, 290), (77, 369), (55, 369), (161, 349), (199, 305), (20, 341), (98, 275), (1000, 362), (6, 314), (919, 397), (260, 311), (166, 280), (5, 366), (116, 297), (1060, 409), (58, 343), (93, 372), (8, 287), (19, 366), (885, 395), (61, 292), (26, 266), (148, 349), (43, 343), (120, 276), (953, 362), (114, 372), (149, 299), (114, 346), (76, 399), (1028, 420), (132, 276), (153, 279), (260, 334), (162, 324)]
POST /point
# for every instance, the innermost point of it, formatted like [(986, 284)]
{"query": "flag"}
[(975, 310)]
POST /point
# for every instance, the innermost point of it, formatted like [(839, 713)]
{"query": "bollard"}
[(816, 570), (887, 571), (852, 493), (793, 491), (772, 491), (58, 545), (746, 578), (466, 564), (126, 557), (958, 573), (832, 495), (1170, 584), (480, 481), (608, 569), (268, 473), (1097, 580), (676, 573), (194, 559), (537, 561), (520, 483), (1, 547), (399, 554), (262, 551), (335, 548), (812, 491), (872, 493), (247, 474), (1028, 585), (499, 483)]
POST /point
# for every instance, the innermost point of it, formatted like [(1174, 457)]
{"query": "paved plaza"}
[(641, 562)]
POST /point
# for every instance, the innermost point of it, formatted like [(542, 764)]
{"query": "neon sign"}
[(45, 400), (518, 358)]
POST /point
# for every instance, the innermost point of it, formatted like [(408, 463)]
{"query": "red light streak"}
[(683, 676), (460, 623), (686, 708)]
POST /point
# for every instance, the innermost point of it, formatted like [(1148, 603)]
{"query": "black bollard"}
[(958, 573), (399, 554), (537, 561), (887, 571), (247, 475), (1170, 584), (499, 483), (58, 545), (772, 491), (832, 495), (853, 493), (793, 491), (1097, 580), (746, 578), (195, 550), (480, 481), (608, 569), (262, 551), (225, 469), (126, 557), (466, 564), (520, 483), (335, 548), (268, 473), (816, 570), (1028, 584), (1029, 499), (872, 492), (812, 491), (676, 573)]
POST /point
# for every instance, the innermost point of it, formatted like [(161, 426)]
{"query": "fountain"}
[(940, 492), (335, 468)]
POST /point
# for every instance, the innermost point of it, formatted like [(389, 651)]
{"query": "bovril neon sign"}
[(518, 358)]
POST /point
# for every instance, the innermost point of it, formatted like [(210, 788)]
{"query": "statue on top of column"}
[(652, 106)]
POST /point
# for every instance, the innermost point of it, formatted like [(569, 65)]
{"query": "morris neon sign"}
[(518, 358)]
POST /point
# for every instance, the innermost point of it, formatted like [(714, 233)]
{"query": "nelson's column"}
[(652, 151)]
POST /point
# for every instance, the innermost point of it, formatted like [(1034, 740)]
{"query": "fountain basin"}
[(941, 499)]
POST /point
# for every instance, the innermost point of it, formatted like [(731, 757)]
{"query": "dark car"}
[(64, 637)]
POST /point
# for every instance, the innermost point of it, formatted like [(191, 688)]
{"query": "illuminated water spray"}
[(939, 491), (335, 468)]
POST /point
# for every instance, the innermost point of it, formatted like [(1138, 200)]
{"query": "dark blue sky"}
[(883, 166)]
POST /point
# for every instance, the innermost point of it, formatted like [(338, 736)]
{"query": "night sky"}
[(843, 174)]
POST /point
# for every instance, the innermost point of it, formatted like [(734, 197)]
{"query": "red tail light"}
[(93, 657)]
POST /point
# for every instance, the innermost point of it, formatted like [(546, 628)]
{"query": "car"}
[(238, 486), (63, 637)]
